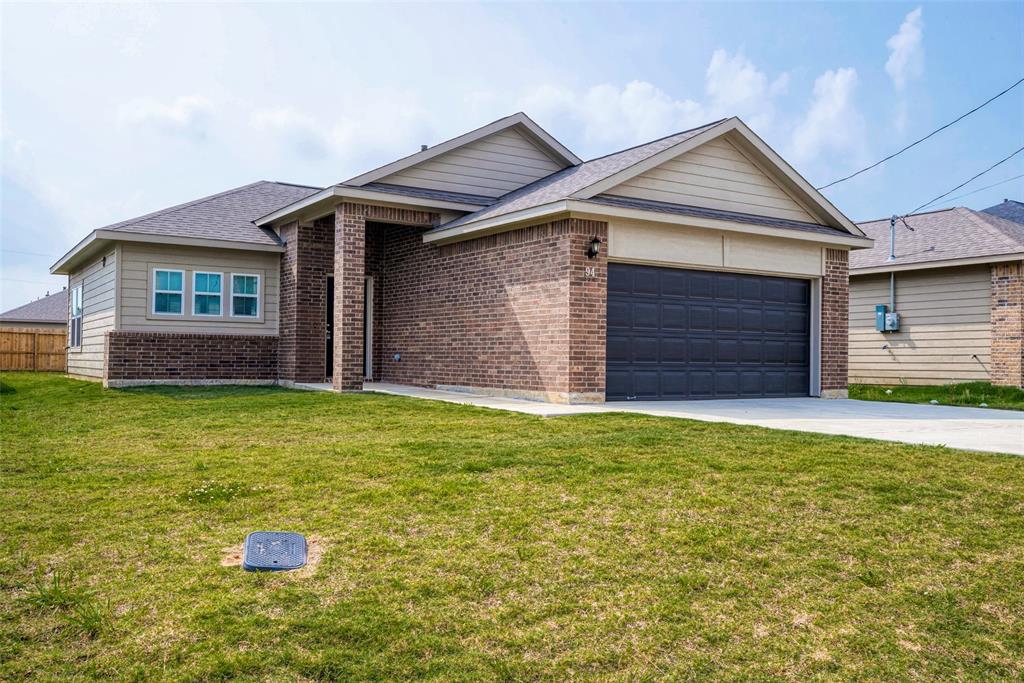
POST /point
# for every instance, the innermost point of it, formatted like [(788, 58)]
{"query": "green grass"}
[(967, 394), (467, 544)]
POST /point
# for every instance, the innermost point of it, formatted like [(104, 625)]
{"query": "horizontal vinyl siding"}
[(136, 260), (714, 175), (945, 316), (98, 308), (491, 167)]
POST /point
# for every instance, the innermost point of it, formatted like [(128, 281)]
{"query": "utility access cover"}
[(273, 551)]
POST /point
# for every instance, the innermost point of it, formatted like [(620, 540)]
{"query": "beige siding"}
[(138, 261), (674, 245), (944, 332), (98, 305), (714, 175), (491, 167)]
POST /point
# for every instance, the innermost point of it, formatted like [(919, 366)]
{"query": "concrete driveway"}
[(979, 429)]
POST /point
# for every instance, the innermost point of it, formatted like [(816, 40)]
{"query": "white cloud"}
[(640, 111), (187, 116), (833, 122), (296, 130), (906, 54)]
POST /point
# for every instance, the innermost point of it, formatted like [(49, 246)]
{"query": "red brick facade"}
[(1007, 318), (307, 262), (835, 314), (189, 358)]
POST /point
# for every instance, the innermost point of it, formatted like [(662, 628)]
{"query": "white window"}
[(75, 326), (207, 293), (168, 292), (245, 295)]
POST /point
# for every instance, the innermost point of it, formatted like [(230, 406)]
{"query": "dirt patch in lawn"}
[(315, 548)]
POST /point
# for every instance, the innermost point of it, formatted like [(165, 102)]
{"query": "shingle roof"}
[(425, 193), (1009, 209), (224, 216), (939, 236), (565, 183), (702, 212), (52, 308)]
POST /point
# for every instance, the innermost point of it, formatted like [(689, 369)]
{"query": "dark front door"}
[(690, 334), (330, 327)]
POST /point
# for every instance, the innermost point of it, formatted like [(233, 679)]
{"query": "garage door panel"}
[(684, 334)]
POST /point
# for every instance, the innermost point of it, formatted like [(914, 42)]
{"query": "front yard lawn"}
[(465, 544), (966, 394)]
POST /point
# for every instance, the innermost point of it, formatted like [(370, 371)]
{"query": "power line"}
[(975, 177), (30, 282), (917, 142), (28, 253), (987, 187)]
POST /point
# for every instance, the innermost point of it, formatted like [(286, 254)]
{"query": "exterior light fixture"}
[(595, 248)]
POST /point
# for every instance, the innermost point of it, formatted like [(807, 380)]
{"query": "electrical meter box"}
[(886, 321), (880, 310), (892, 322)]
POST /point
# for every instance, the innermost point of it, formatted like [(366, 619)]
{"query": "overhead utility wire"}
[(917, 142), (987, 187), (975, 177)]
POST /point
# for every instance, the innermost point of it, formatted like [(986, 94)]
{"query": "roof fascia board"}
[(58, 267), (603, 211), (338, 193), (403, 201), (562, 152), (925, 265), (813, 197), (290, 209), (487, 226)]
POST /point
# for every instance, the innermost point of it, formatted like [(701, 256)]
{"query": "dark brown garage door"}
[(690, 334)]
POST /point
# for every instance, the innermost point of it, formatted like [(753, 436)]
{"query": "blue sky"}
[(110, 111)]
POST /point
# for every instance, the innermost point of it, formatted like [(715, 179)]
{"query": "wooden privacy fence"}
[(33, 349)]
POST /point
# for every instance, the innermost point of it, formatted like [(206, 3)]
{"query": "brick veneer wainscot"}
[(835, 313), (170, 356), (1007, 319)]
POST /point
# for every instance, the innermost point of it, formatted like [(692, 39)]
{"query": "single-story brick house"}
[(48, 312), (957, 282), (699, 265)]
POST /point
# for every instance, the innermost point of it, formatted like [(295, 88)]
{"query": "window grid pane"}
[(166, 302), (244, 306), (207, 304)]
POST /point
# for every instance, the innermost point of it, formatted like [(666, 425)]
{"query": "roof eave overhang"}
[(796, 184), (98, 239), (585, 209), (948, 263), (323, 203)]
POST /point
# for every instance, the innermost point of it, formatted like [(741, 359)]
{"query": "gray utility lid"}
[(273, 551)]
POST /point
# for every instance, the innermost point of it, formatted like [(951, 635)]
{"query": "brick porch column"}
[(349, 271), (835, 326), (1008, 324), (307, 261)]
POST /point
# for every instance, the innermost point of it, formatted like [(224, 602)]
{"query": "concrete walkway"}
[(980, 429)]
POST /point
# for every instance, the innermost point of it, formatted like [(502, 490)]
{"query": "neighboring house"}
[(958, 283), (46, 313), (1009, 209), (699, 265)]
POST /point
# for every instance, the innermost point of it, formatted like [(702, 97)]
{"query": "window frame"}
[(152, 302), (258, 296), (72, 318), (219, 294)]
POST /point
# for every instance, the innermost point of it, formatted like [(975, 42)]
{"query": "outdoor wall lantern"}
[(595, 248)]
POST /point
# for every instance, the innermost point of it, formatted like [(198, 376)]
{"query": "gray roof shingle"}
[(940, 236), (225, 216), (565, 183), (52, 308), (1009, 209), (424, 193)]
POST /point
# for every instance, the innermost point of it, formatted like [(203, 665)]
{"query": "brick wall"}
[(835, 313), (305, 265), (517, 311), (171, 356), (1007, 318)]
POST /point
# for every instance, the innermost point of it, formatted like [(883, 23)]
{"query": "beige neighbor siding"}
[(944, 322), (139, 260), (715, 175), (98, 307), (492, 166)]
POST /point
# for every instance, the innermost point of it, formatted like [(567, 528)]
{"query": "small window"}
[(245, 296), (75, 326), (168, 292), (206, 293)]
